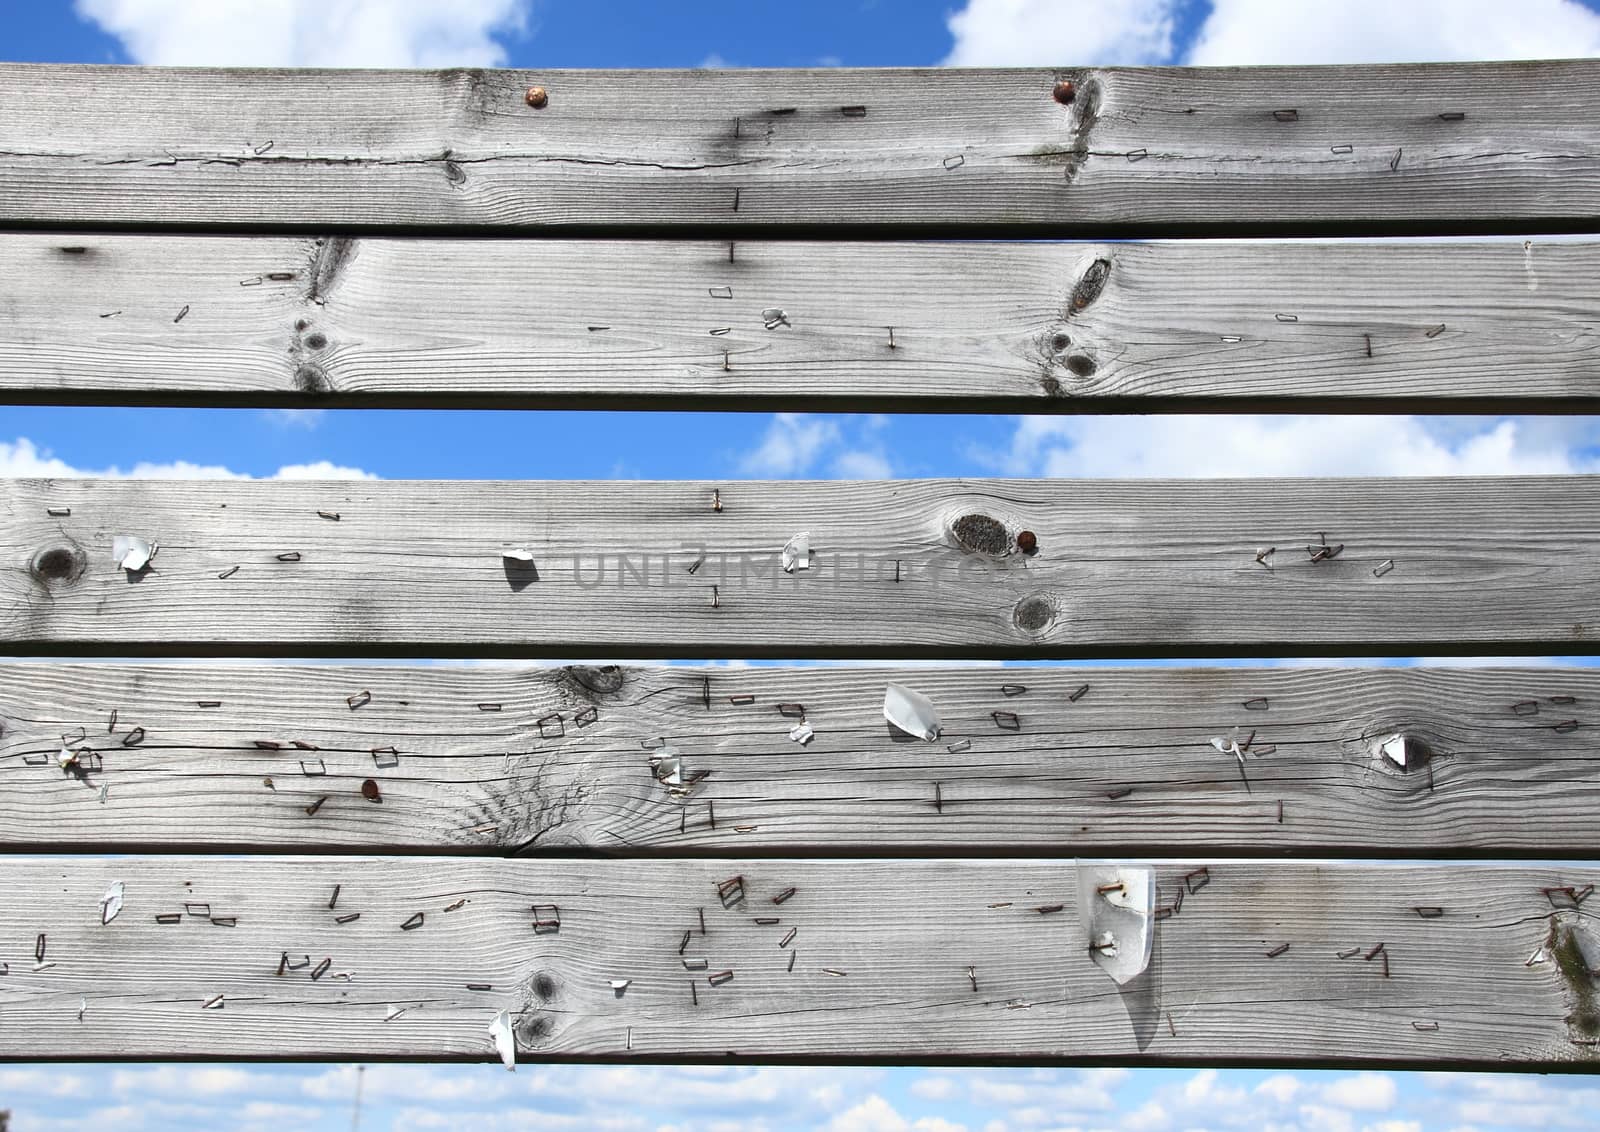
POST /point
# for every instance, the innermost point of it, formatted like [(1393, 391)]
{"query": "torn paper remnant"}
[(668, 764), (911, 712), (505, 1042), (1116, 906), (132, 553), (797, 553), (111, 902)]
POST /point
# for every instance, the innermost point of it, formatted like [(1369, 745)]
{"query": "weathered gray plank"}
[(1413, 148), (999, 327), (496, 760), (919, 568), (892, 960)]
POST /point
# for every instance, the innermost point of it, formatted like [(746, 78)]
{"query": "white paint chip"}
[(802, 733), (1394, 749)]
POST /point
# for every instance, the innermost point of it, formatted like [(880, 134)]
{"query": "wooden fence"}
[(601, 861)]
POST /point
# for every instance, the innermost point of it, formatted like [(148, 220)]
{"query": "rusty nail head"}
[(369, 791), (537, 98), (1065, 92), (1027, 542)]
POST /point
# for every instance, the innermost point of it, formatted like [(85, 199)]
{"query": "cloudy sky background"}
[(318, 444)]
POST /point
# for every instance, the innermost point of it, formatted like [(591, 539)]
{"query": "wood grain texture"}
[(1444, 147), (655, 569), (886, 957), (144, 319), (505, 760)]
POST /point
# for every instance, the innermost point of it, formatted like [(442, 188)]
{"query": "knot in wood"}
[(1402, 750), (310, 379), (981, 533), (1033, 613), (1093, 282), (602, 680), (61, 563), (534, 1029)]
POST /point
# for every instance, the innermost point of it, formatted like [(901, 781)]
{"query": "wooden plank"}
[(1488, 327), (892, 960), (1429, 148), (496, 760), (923, 568)]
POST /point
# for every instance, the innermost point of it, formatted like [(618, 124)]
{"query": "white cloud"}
[(1369, 1092), (522, 1119), (1083, 1091), (42, 1082), (858, 464), (872, 1115), (310, 33), (296, 418), (792, 444), (406, 1083), (1239, 32), (282, 1115), (700, 1097), (1217, 446), (1281, 1088), (1203, 1090), (1045, 33), (23, 459), (1148, 1117), (321, 470), (934, 1087), (1322, 1118), (797, 444), (1381, 31), (190, 1081), (877, 1115)]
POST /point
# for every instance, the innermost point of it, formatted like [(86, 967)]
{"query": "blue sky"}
[(639, 33)]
